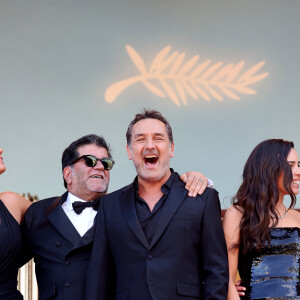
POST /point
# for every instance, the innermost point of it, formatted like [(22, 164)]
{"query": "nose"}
[(297, 171), (149, 143), (99, 165)]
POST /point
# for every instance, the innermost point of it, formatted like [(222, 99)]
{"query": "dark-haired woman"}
[(262, 234), (12, 209)]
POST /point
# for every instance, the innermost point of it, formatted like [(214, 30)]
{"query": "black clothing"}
[(274, 271), (61, 255), (149, 219), (79, 206), (10, 245), (186, 259)]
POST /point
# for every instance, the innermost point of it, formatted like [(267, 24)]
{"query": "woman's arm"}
[(231, 224)]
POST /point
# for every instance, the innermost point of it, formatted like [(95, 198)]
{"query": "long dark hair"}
[(258, 194)]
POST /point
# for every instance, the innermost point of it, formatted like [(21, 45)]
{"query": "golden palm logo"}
[(168, 75)]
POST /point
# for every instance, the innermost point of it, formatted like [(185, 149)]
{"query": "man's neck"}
[(150, 191), (88, 197)]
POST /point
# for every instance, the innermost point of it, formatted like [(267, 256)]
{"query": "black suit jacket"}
[(61, 255), (187, 258)]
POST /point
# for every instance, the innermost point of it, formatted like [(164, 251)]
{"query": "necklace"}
[(285, 213)]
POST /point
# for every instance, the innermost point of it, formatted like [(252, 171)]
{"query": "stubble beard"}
[(146, 174)]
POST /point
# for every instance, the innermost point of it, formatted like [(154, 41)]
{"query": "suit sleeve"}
[(100, 281), (27, 253), (214, 251)]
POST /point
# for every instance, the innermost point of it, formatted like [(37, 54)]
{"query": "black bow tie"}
[(79, 206)]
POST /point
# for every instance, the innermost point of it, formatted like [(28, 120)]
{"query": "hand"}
[(240, 288), (195, 182)]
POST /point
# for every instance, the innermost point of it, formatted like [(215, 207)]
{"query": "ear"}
[(129, 152), (172, 150), (67, 174)]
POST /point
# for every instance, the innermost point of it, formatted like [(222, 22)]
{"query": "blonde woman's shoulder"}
[(15, 203)]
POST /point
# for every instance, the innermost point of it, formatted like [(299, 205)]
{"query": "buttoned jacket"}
[(61, 255)]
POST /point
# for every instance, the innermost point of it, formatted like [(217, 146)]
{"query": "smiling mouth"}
[(97, 176), (150, 159)]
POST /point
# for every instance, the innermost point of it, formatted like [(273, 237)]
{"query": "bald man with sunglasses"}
[(59, 231)]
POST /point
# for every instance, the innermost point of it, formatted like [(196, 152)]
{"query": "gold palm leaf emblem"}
[(169, 76)]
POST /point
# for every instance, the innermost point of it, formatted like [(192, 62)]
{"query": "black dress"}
[(274, 271), (10, 245)]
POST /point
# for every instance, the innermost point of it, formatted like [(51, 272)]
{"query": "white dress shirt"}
[(82, 222)]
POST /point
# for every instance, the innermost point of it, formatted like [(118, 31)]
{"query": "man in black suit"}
[(153, 241), (59, 231)]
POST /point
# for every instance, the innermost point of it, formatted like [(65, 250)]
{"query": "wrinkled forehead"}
[(92, 149), (149, 127)]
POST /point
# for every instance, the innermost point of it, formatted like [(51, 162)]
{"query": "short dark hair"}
[(71, 153), (149, 114)]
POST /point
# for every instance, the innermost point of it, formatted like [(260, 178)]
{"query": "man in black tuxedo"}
[(153, 241), (59, 231)]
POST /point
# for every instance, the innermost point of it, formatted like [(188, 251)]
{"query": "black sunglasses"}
[(91, 161)]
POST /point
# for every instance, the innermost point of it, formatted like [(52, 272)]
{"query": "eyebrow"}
[(142, 134)]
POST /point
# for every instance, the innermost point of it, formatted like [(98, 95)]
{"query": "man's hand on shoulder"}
[(195, 182)]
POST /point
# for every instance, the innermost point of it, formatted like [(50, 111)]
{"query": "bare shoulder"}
[(294, 213), (295, 216), (13, 199), (15, 203), (235, 212)]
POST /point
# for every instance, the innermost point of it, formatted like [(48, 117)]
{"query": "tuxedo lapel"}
[(127, 202), (175, 197), (58, 218)]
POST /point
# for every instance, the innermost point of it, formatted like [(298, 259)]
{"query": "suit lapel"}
[(175, 197), (127, 202), (61, 222)]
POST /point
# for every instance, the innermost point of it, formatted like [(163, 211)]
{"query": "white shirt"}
[(82, 222)]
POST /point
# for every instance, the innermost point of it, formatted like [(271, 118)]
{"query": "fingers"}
[(184, 177), (188, 179), (196, 182), (203, 186), (240, 289), (195, 186)]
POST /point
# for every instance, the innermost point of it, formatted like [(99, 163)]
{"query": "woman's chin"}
[(2, 169)]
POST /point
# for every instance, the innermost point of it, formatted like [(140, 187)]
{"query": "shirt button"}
[(67, 284), (58, 244), (149, 256), (67, 263)]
